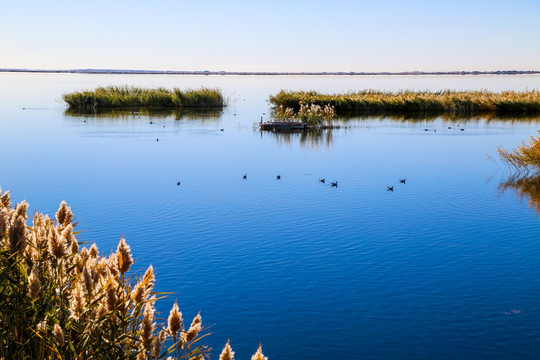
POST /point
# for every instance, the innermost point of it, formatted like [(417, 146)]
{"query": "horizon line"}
[(208, 72)]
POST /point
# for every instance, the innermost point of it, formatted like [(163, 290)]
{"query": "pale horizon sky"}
[(294, 35)]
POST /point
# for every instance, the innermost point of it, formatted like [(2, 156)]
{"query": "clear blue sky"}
[(293, 35)]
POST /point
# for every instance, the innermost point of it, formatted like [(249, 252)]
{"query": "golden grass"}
[(525, 157), (60, 301), (130, 96), (406, 101)]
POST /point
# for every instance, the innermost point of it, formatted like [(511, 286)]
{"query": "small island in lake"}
[(408, 101), (130, 96)]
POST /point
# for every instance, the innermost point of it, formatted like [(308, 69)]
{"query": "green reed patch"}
[(406, 101), (130, 96)]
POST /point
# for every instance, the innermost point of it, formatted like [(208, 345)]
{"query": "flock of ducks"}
[(323, 180), (449, 128)]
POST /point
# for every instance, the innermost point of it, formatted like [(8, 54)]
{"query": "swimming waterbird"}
[(402, 180), (333, 184), (389, 188)]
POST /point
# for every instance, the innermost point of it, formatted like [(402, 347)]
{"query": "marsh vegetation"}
[(525, 158), (64, 301), (136, 97), (406, 101)]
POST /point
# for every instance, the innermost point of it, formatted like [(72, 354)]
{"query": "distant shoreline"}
[(266, 73)]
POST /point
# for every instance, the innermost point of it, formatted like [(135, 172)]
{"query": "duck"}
[(402, 180), (389, 188), (333, 184), (278, 177), (178, 183), (244, 177), (322, 180)]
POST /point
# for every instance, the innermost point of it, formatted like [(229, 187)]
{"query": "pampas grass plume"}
[(227, 353)]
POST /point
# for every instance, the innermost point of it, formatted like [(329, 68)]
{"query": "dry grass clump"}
[(525, 157), (405, 101), (312, 114), (61, 301), (130, 96)]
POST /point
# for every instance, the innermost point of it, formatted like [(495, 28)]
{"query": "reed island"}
[(135, 97), (407, 101)]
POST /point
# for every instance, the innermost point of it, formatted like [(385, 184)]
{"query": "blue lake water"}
[(444, 267)]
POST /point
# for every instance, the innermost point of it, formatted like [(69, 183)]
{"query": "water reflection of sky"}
[(431, 270)]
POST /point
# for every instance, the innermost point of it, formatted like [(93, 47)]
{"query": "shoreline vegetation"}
[(525, 158), (135, 97), (406, 101), (525, 179), (64, 301)]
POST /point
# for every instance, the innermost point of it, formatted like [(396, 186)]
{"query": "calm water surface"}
[(444, 267)]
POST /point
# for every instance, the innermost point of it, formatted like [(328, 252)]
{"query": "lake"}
[(443, 267)]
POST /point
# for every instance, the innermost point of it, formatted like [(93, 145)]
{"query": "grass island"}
[(131, 97), (408, 101)]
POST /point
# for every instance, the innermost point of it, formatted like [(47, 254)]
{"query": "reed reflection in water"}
[(525, 187), (148, 114)]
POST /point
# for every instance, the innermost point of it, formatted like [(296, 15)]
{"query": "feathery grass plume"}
[(77, 303), (149, 280), (227, 353), (259, 354), (58, 335), (159, 342), (3, 222), (138, 293), (142, 353), (5, 199), (194, 329), (67, 234), (17, 235), (64, 215), (88, 278), (21, 209), (147, 326), (42, 326), (175, 320), (57, 244), (111, 298), (93, 252), (34, 285), (123, 254), (74, 246), (112, 264)]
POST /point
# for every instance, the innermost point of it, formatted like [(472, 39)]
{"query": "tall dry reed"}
[(62, 301)]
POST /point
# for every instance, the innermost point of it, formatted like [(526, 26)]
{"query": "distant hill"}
[(207, 72)]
